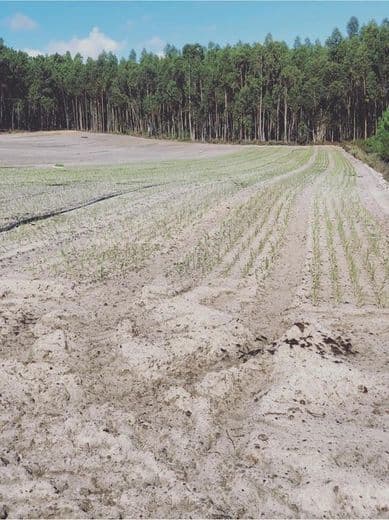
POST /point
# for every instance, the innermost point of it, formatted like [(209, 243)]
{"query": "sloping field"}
[(75, 148), (195, 338)]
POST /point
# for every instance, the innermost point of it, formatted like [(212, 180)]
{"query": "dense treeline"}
[(265, 92)]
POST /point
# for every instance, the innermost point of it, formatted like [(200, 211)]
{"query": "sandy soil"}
[(76, 148), (219, 394)]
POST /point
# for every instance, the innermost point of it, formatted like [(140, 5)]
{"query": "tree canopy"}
[(310, 92)]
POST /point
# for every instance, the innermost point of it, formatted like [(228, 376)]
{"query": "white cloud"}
[(90, 46), (21, 22), (156, 45), (33, 52)]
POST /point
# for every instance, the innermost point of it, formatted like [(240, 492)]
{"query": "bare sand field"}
[(193, 337), (77, 148)]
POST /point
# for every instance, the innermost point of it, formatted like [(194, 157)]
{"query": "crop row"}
[(28, 192), (353, 241), (267, 209)]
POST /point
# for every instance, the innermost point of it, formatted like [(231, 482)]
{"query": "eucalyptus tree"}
[(262, 91)]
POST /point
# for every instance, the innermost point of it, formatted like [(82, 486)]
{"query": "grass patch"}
[(359, 150)]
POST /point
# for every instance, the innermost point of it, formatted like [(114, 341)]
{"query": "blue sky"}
[(91, 26)]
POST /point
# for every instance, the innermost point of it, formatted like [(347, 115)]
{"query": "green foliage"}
[(352, 27), (380, 142)]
